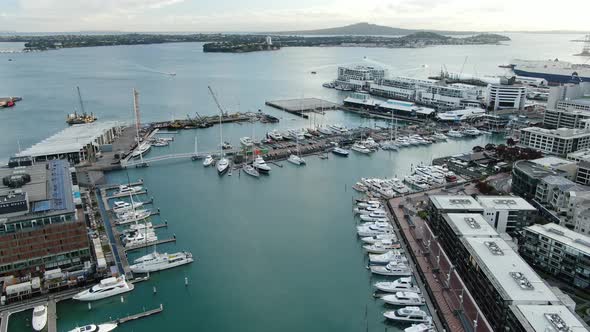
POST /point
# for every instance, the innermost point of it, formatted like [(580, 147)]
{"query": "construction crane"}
[(223, 113)]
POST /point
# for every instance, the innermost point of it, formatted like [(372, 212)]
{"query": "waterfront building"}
[(76, 143), (539, 318), (507, 214), (404, 88), (526, 174), (505, 96), (405, 108), (555, 141), (358, 77), (559, 251), (444, 98), (438, 205), (572, 119), (360, 100), (560, 96), (460, 115), (40, 227)]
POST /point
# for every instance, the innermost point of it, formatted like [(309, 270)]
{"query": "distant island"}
[(360, 35)]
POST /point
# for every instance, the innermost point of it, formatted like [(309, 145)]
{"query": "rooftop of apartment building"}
[(504, 203), (536, 170), (509, 273), (563, 235), (559, 181), (470, 224), (49, 189), (552, 162), (455, 202), (541, 318), (559, 133), (579, 101), (582, 155)]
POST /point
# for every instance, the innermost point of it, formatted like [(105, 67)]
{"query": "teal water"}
[(279, 252)]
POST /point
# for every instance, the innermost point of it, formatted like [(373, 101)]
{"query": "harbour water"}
[(278, 252)]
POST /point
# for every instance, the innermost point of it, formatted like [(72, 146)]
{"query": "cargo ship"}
[(554, 71)]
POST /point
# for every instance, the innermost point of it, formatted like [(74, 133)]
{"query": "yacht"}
[(378, 238), (127, 190), (422, 327), (261, 165), (134, 216), (358, 147), (106, 288), (136, 238), (368, 203), (374, 217), (341, 152), (325, 131), (107, 327), (385, 258), (472, 132), (439, 137), (359, 187), (403, 298), (381, 247), (275, 135), (39, 319), (122, 206), (222, 166), (392, 269), (296, 160), (369, 209), (389, 145), (160, 261), (372, 229), (142, 149), (404, 284), (250, 170), (408, 314), (246, 142), (370, 143), (296, 134), (454, 134), (339, 128), (139, 227), (208, 161)]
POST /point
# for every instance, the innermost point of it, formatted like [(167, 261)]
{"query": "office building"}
[(438, 205), (505, 96), (558, 142), (40, 227), (507, 214), (358, 77), (559, 251), (565, 93)]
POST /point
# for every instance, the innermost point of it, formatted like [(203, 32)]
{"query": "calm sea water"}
[(279, 252)]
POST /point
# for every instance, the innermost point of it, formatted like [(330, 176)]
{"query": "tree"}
[(490, 147), (510, 141), (477, 148)]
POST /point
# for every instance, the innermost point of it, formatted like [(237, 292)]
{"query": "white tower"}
[(268, 41)]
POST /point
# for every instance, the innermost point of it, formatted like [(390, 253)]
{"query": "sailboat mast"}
[(80, 100)]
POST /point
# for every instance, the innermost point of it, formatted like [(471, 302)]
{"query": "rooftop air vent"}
[(494, 249), (472, 223), (460, 201), (557, 322), (522, 281), (16, 180)]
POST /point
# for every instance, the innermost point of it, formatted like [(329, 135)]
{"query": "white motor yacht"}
[(454, 134), (368, 203), (160, 261), (386, 258), (222, 166), (370, 143), (392, 269), (296, 160), (106, 288), (141, 150), (209, 160), (261, 165), (440, 137), (275, 135), (325, 131), (422, 327), (122, 206), (107, 327), (250, 170), (341, 152), (369, 209), (132, 217), (381, 247), (408, 314), (378, 238), (127, 190), (39, 319), (372, 229), (360, 148), (137, 238), (246, 142), (375, 217), (404, 284), (403, 298), (389, 145)]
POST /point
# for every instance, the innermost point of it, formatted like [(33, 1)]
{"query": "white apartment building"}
[(358, 77), (507, 214), (503, 96)]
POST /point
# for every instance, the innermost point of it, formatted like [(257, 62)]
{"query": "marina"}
[(302, 106)]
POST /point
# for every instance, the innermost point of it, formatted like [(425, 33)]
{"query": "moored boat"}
[(404, 284), (250, 170), (392, 269), (107, 327), (403, 298), (39, 319), (408, 314), (160, 261), (105, 288)]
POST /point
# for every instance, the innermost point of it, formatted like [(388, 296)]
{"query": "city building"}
[(564, 202), (508, 95), (404, 88), (526, 174), (405, 108), (507, 214), (40, 227), (559, 251), (566, 92), (540, 318), (358, 77), (444, 98), (76, 143), (559, 118), (555, 141), (438, 205)]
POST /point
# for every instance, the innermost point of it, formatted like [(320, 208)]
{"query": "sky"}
[(285, 15)]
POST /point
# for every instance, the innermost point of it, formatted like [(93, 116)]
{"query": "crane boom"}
[(216, 101)]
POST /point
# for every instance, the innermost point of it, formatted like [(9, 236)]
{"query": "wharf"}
[(381, 115), (300, 106), (139, 315), (149, 244), (141, 192)]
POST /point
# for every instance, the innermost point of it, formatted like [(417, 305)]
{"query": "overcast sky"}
[(277, 15)]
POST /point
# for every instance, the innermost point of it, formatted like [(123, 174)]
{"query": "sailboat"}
[(223, 163), (142, 147), (390, 144), (296, 158)]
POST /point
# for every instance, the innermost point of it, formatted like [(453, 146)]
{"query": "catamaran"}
[(105, 288)]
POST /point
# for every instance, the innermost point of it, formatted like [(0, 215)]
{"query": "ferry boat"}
[(404, 298), (340, 152), (392, 269), (39, 319), (400, 285), (106, 288), (107, 327), (408, 314), (554, 71), (160, 261)]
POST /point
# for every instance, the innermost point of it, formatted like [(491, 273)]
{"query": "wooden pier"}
[(149, 244), (138, 315)]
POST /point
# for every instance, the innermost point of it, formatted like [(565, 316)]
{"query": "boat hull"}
[(156, 268), (553, 78)]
